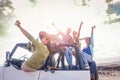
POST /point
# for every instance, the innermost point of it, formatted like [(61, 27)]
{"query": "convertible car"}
[(52, 69)]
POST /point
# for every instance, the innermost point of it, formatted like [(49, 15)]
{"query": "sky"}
[(64, 14)]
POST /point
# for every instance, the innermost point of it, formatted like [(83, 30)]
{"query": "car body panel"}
[(66, 75), (2, 72), (11, 73)]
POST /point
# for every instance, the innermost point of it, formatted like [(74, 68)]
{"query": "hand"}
[(81, 23), (53, 24), (93, 27), (17, 23)]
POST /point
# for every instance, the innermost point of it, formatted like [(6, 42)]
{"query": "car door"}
[(65, 75), (11, 73), (1, 72)]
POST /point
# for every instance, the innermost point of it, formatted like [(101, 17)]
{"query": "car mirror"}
[(7, 59)]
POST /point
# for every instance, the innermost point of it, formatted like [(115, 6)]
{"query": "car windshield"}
[(21, 53)]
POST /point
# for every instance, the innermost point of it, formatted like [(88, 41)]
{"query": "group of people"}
[(86, 53), (41, 50)]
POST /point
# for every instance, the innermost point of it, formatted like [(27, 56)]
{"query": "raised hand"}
[(81, 23), (94, 27), (79, 29), (53, 24), (17, 23)]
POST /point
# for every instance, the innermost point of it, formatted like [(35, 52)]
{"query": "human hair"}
[(42, 34)]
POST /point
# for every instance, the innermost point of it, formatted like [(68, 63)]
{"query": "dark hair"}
[(42, 34)]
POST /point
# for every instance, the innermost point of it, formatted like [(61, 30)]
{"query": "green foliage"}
[(84, 3), (81, 2), (6, 12), (2, 29), (108, 1), (116, 20), (113, 8), (34, 2)]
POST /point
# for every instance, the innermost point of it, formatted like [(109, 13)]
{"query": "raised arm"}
[(53, 24), (78, 35), (93, 29), (82, 38), (17, 23), (28, 35), (91, 38), (58, 30)]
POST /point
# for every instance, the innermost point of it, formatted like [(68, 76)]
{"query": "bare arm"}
[(59, 31), (17, 23), (93, 29), (91, 38), (78, 36), (91, 33), (28, 35), (82, 38)]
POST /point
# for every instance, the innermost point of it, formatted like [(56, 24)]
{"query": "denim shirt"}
[(89, 49)]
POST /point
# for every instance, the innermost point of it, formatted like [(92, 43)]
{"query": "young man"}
[(40, 52), (66, 39)]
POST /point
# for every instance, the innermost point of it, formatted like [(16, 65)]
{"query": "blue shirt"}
[(89, 49)]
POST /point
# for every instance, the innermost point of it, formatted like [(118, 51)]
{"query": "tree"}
[(113, 8), (81, 2), (6, 12)]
